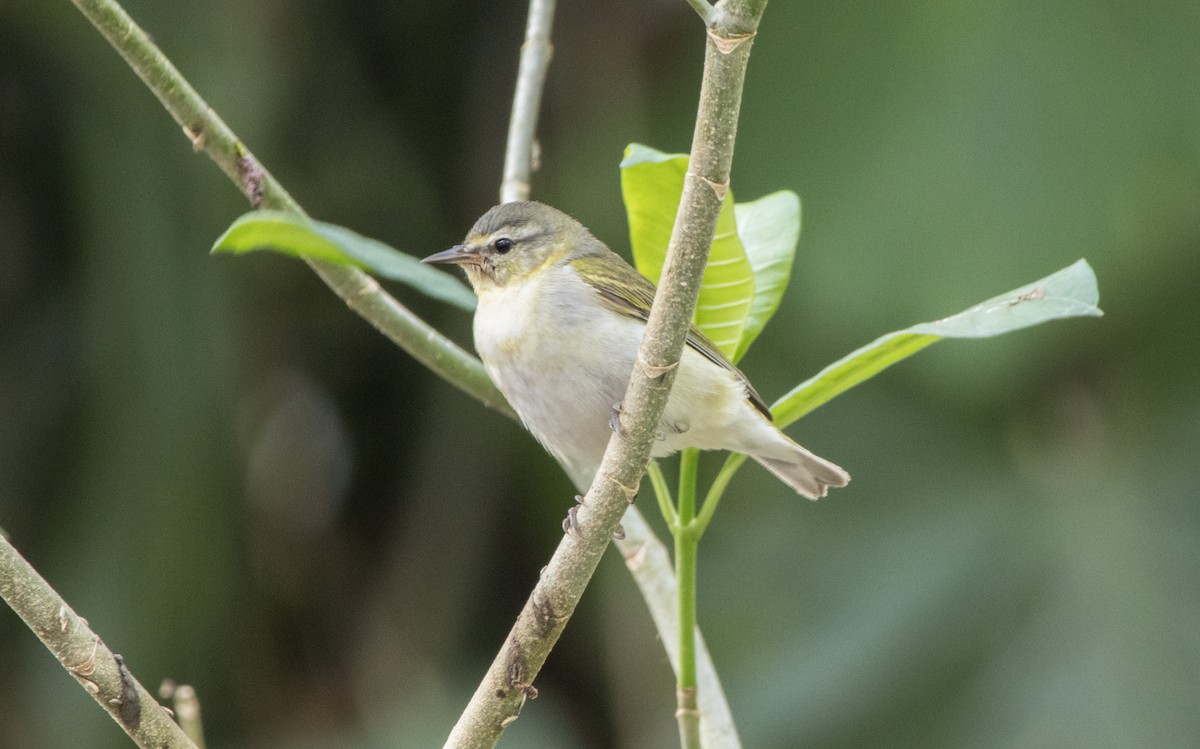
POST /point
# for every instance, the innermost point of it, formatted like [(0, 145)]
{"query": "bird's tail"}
[(808, 474)]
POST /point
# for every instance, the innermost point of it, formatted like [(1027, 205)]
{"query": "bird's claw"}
[(614, 420), (571, 522)]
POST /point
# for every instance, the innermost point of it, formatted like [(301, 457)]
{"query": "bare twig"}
[(522, 126), (187, 709), (705, 10), (102, 673)]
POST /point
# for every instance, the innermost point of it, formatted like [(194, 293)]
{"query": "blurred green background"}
[(245, 487)]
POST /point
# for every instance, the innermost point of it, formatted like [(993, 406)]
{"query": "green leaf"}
[(294, 235), (1071, 292), (769, 228), (652, 184)]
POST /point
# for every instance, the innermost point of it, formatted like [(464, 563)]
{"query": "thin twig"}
[(187, 709), (102, 673), (519, 155), (705, 10), (498, 700)]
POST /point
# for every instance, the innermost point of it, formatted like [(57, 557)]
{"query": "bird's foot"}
[(528, 690), (614, 420), (571, 522)]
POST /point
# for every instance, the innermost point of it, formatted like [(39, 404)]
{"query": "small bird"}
[(558, 326)]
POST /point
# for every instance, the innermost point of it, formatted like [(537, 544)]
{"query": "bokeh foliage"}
[(243, 486)]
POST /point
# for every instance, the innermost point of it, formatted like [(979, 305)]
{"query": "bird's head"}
[(513, 242)]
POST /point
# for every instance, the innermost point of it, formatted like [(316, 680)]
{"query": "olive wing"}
[(627, 292)]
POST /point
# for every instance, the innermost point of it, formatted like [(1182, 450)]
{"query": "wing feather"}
[(624, 290)]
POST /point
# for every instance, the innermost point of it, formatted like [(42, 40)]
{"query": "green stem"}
[(685, 572), (687, 541), (663, 493), (689, 462), (687, 711), (644, 552)]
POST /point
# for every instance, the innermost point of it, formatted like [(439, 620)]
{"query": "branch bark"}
[(645, 556), (100, 672), (499, 697)]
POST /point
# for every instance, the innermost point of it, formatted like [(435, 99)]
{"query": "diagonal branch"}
[(499, 697), (98, 670), (645, 556)]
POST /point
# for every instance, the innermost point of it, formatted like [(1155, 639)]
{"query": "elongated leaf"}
[(1071, 292), (294, 235), (769, 229), (652, 184)]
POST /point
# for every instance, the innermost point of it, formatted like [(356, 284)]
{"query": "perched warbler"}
[(558, 326)]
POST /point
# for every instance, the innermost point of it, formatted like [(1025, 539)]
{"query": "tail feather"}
[(808, 474)]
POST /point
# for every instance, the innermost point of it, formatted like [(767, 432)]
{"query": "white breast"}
[(563, 361), (559, 357)]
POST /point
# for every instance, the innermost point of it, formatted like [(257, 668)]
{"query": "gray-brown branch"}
[(102, 673), (509, 680)]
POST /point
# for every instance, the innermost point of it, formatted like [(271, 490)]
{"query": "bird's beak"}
[(457, 255)]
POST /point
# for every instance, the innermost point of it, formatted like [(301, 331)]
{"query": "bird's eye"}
[(503, 245)]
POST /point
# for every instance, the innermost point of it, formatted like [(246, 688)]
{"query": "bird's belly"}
[(565, 368), (566, 409), (562, 370)]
